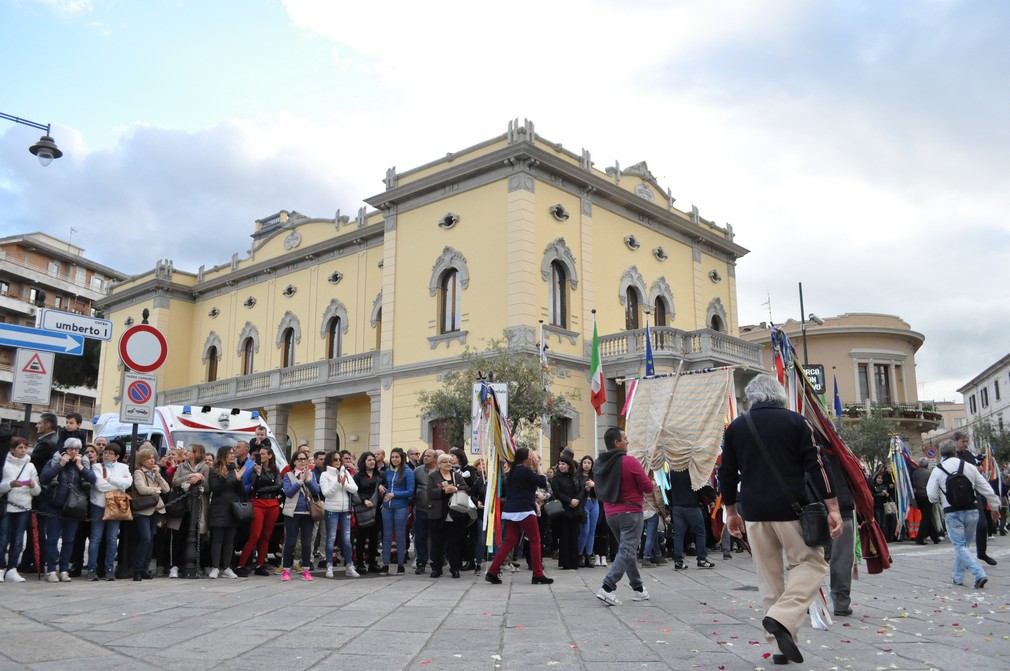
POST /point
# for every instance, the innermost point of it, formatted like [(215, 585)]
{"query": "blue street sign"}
[(12, 335)]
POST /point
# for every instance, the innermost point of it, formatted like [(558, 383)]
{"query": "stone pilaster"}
[(324, 436)]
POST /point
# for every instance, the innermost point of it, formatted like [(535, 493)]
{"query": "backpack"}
[(960, 492)]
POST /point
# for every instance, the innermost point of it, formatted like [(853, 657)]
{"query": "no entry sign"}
[(143, 348)]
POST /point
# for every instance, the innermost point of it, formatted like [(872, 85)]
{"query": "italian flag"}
[(599, 394)]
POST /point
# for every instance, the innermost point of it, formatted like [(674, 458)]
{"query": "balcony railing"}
[(303, 376), (699, 346)]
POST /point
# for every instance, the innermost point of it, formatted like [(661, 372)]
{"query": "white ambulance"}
[(184, 425)]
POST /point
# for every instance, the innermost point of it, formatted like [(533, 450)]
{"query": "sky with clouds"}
[(859, 147)]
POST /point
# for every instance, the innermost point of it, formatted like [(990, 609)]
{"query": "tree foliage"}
[(869, 439), (78, 371), (984, 432), (528, 401)]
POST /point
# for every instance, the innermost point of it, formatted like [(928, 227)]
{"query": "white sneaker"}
[(329, 570), (599, 561), (609, 598), (14, 576), (173, 572), (350, 572), (3, 574), (228, 573), (640, 596), (603, 560), (52, 576), (214, 573), (64, 576)]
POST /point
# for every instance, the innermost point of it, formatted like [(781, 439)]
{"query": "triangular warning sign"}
[(34, 365)]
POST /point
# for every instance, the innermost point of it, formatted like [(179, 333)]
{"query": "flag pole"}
[(543, 360)]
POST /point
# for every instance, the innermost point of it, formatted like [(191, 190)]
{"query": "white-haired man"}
[(772, 524)]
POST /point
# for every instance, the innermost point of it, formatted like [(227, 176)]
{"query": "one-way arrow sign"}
[(12, 335)]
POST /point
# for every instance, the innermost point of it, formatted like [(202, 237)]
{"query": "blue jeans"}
[(59, 529), (102, 529), (335, 521), (394, 521), (297, 524), (628, 529), (421, 537), (587, 533), (960, 528), (688, 520), (145, 525), (651, 551), (12, 531)]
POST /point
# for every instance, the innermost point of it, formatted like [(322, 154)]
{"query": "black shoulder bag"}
[(813, 516)]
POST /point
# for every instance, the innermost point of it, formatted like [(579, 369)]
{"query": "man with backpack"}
[(953, 484)]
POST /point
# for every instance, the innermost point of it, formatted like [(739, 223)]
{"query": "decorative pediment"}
[(249, 331), (450, 258), (559, 251), (631, 278), (213, 341), (289, 321), (334, 309)]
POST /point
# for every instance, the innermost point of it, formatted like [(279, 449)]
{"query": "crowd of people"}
[(233, 513)]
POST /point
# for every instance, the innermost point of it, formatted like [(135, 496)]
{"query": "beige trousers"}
[(785, 600)]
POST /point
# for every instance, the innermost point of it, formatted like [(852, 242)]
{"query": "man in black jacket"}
[(46, 445), (773, 526), (920, 477)]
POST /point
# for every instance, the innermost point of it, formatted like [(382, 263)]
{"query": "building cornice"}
[(527, 157), (277, 266), (988, 372)]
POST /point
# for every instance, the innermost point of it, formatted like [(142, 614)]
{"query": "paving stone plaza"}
[(910, 617)]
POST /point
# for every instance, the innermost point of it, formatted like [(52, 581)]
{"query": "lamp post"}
[(45, 149)]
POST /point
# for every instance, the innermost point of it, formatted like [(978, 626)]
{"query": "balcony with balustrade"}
[(699, 349)]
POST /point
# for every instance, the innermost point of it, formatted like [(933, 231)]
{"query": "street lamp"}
[(45, 149)]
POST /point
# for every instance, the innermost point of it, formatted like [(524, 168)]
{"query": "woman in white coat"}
[(110, 476), (337, 486), (20, 482)]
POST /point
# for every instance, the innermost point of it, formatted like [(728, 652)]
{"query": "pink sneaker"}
[(306, 575), (286, 576)]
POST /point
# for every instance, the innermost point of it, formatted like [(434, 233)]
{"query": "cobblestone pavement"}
[(910, 617)]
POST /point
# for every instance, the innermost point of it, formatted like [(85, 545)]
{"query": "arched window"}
[(631, 310), (559, 296), (449, 302), (716, 324), (288, 348), (248, 350), (334, 340), (378, 329), (212, 357), (659, 311)]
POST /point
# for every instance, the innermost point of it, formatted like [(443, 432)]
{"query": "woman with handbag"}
[(882, 504), (399, 491), (226, 489), (20, 483), (370, 490), (191, 480), (298, 485), (149, 485), (447, 529), (77, 559), (110, 505), (337, 487), (569, 490), (265, 490), (63, 504), (519, 514)]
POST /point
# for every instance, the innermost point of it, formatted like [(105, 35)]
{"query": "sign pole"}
[(26, 425)]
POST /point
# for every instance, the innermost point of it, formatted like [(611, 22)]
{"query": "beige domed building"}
[(873, 357)]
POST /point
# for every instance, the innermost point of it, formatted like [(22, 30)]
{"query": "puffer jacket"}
[(336, 496), (19, 499)]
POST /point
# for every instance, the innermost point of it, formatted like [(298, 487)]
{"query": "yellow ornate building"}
[(333, 326)]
